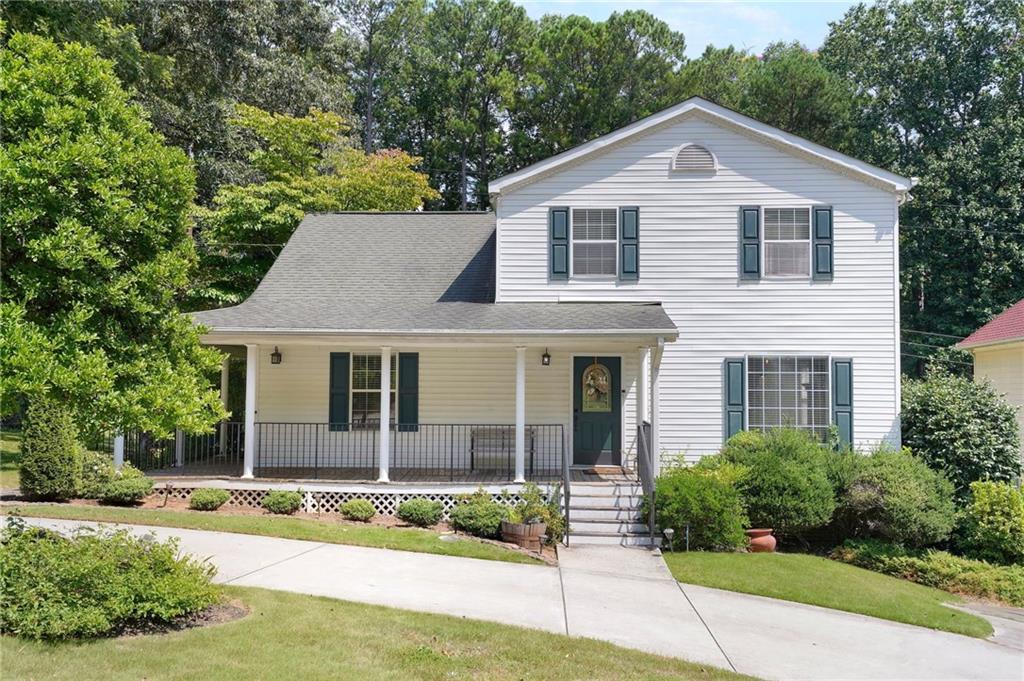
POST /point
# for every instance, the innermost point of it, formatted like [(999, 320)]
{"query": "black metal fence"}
[(417, 453), (217, 453)]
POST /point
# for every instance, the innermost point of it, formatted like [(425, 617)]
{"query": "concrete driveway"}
[(625, 596)]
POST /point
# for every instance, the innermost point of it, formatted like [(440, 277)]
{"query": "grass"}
[(10, 459), (375, 536), (827, 583), (291, 636)]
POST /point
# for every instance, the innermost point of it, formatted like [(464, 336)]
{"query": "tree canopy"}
[(95, 248)]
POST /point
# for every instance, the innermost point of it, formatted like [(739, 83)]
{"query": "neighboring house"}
[(998, 349), (696, 270)]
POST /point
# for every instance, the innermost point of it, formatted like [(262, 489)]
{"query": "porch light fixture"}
[(545, 359), (275, 356)]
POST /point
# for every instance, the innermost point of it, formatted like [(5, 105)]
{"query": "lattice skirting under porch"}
[(386, 502)]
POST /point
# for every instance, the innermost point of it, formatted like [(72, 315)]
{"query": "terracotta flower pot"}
[(761, 540), (527, 535)]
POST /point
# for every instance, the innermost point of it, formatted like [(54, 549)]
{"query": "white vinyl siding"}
[(689, 250), (787, 242), (594, 242)]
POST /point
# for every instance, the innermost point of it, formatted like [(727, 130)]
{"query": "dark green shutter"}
[(734, 396), (558, 237), (629, 243), (338, 402), (750, 242), (408, 416), (842, 399), (822, 241)]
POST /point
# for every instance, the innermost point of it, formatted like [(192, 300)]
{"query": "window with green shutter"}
[(733, 396), (338, 396), (750, 242), (408, 391), (558, 243), (823, 250), (842, 399), (629, 243)]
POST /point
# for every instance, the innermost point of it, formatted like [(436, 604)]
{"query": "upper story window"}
[(693, 158), (594, 241), (787, 242)]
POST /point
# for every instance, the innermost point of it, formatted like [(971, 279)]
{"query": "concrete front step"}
[(605, 514), (606, 488), (612, 538), (589, 501), (611, 526)]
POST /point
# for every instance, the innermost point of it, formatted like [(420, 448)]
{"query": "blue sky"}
[(746, 24)]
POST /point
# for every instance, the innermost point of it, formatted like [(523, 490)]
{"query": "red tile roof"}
[(1008, 326)]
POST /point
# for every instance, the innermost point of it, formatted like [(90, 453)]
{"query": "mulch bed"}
[(219, 613)]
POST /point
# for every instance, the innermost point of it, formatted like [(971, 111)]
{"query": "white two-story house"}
[(697, 271)]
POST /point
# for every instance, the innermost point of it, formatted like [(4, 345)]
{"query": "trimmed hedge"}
[(282, 502), (95, 584), (97, 472), (128, 487), (478, 514), (937, 569), (208, 499), (420, 511), (51, 457), (993, 524), (706, 500), (358, 509)]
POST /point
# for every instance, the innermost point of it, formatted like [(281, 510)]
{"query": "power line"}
[(936, 359), (927, 345), (933, 333)]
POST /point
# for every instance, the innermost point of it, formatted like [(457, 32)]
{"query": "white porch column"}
[(656, 405), (179, 448), (225, 368), (118, 451), (249, 453), (520, 414), (385, 413), (642, 389)]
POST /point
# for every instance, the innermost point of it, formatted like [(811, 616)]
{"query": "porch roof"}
[(408, 273)]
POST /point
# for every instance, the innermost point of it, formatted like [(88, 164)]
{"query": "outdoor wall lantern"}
[(275, 356), (545, 359)]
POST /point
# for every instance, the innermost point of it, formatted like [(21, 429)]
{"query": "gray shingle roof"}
[(428, 272)]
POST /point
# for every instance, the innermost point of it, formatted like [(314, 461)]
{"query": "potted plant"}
[(761, 540), (525, 523)]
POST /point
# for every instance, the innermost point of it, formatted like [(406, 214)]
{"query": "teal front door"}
[(597, 411)]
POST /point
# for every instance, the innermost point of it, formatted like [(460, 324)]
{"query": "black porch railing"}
[(645, 469), (217, 453), (421, 452)]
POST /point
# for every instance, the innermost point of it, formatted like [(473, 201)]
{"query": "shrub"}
[(420, 511), (534, 507), (706, 499), (128, 487), (962, 428), (97, 472), (993, 526), (208, 499), (358, 509), (896, 496), (93, 584), (282, 502), (785, 486), (478, 514), (51, 457), (937, 569)]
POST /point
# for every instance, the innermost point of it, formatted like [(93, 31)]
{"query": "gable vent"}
[(693, 157)]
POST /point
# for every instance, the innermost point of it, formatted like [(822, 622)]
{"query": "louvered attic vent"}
[(694, 158)]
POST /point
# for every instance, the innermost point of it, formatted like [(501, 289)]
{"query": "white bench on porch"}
[(493, 447)]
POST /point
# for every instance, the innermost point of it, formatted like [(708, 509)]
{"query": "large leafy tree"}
[(95, 245), (941, 99), (304, 165)]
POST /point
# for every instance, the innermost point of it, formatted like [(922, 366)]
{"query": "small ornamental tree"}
[(962, 428), (95, 245), (51, 457)]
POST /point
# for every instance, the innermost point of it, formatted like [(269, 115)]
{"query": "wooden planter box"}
[(528, 535)]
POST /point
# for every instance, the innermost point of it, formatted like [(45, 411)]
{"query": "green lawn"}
[(819, 581), (402, 539), (290, 636), (10, 459)]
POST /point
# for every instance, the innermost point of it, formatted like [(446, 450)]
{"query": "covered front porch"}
[(407, 410)]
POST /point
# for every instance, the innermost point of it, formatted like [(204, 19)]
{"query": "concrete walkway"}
[(625, 596)]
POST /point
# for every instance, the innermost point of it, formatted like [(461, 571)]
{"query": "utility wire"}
[(936, 359), (926, 345), (933, 333)]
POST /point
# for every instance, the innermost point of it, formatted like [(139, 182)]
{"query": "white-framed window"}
[(787, 242), (365, 382), (789, 390), (595, 245)]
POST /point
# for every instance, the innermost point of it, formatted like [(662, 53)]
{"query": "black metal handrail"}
[(566, 493), (417, 452), (645, 467), (219, 452)]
